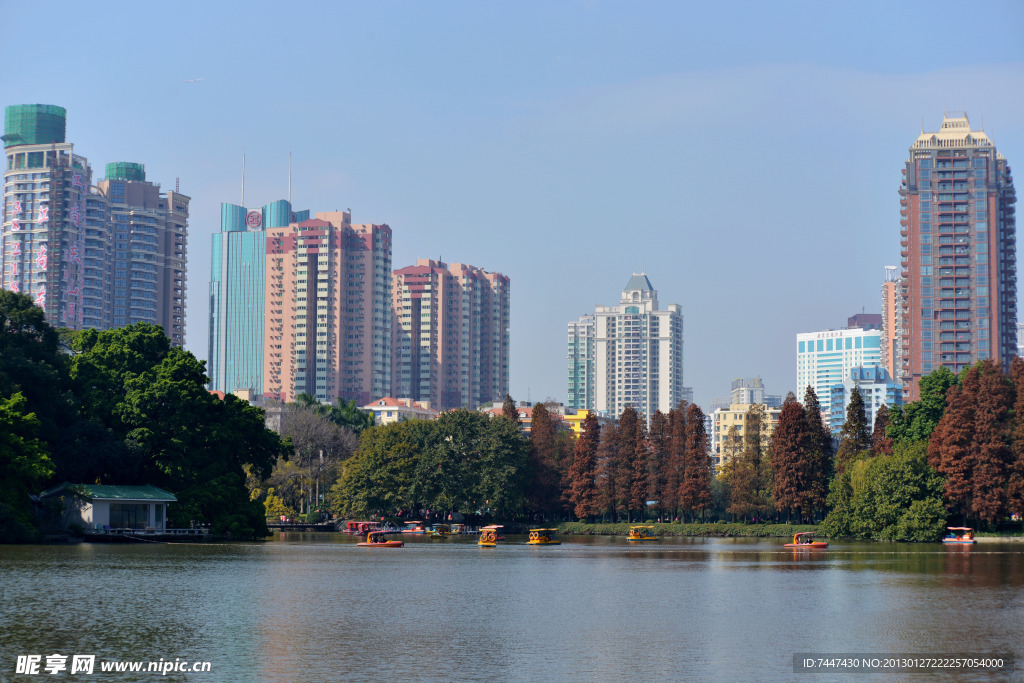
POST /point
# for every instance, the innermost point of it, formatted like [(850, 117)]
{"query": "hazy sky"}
[(746, 155)]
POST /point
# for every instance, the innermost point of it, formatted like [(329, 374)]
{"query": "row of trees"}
[(122, 407)]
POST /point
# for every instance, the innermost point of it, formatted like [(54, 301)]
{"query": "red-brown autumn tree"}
[(788, 457), (698, 469), (583, 473)]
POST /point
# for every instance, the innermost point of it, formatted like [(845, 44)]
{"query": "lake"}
[(314, 607)]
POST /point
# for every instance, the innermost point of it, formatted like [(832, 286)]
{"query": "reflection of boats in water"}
[(959, 535), (543, 537), (489, 536), (379, 539), (440, 531), (414, 527), (805, 539), (640, 533)]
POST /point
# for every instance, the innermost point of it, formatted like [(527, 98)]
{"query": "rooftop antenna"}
[(289, 176), (177, 185), (243, 179)]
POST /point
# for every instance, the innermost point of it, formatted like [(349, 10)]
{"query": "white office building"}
[(824, 359)]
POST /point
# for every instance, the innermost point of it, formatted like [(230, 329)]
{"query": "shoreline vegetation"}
[(707, 530)]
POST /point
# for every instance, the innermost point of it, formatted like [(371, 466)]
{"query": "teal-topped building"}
[(237, 285)]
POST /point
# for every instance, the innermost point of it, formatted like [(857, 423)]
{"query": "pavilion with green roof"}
[(105, 507)]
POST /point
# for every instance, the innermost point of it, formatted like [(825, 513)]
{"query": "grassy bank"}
[(721, 530)]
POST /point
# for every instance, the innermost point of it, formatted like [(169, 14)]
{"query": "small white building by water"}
[(104, 507)]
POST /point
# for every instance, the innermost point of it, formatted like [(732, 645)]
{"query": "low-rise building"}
[(876, 388), (389, 410)]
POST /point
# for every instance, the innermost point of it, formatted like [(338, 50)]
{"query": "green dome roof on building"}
[(639, 282)]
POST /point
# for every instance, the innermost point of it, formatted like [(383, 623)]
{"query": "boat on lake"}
[(640, 533), (414, 527), (441, 531), (379, 539), (959, 535), (805, 539), (489, 536), (360, 528), (543, 537)]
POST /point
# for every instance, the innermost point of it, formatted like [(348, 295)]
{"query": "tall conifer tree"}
[(607, 469), (819, 455), (1015, 484), (695, 490), (583, 473), (788, 459), (854, 439), (881, 444)]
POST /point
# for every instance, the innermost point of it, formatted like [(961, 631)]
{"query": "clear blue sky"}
[(746, 155)]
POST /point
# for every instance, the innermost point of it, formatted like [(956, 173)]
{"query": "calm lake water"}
[(314, 607)]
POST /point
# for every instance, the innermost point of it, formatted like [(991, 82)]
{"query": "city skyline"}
[(741, 164)]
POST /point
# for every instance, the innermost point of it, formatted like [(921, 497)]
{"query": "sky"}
[(745, 155)]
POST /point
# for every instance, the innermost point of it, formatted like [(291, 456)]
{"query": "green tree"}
[(892, 498), (881, 444), (1015, 480), (854, 439), (151, 398), (916, 421), (25, 465)]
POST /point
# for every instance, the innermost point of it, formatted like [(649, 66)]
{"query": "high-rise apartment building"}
[(890, 304), (149, 260), (327, 313), (97, 257), (637, 354), (46, 190), (450, 335), (581, 363), (958, 254), (237, 275), (824, 359)]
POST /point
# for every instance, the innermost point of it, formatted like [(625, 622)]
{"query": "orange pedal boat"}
[(804, 540), (378, 539)]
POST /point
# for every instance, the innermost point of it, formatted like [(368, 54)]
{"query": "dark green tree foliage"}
[(916, 421), (344, 414), (881, 444), (171, 431), (24, 467), (698, 470), (509, 410), (1015, 485), (788, 456), (855, 438), (32, 364), (583, 492), (892, 498), (543, 488), (464, 461), (818, 454)]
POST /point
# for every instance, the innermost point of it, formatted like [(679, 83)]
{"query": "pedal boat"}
[(378, 539), (805, 539), (640, 533), (414, 528), (543, 537), (441, 531), (959, 535), (489, 536)]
